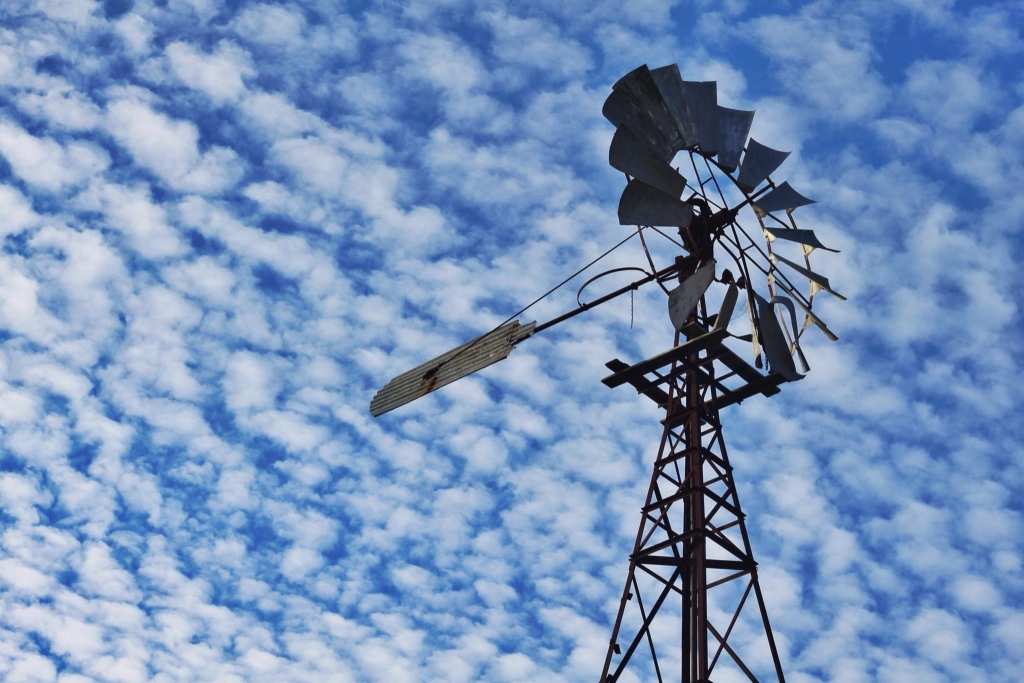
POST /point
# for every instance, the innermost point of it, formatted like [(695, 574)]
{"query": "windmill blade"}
[(683, 299), (728, 304), (776, 348), (818, 282), (758, 163), (733, 128), (788, 303), (642, 85), (622, 108), (634, 158), (448, 367), (670, 85), (703, 99), (642, 204), (782, 198), (809, 316), (806, 238)]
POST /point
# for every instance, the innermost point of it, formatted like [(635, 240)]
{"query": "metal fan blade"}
[(818, 282), (446, 368), (810, 317), (703, 99), (642, 204), (776, 348), (670, 85), (806, 238), (642, 85), (632, 157), (758, 163), (733, 128), (683, 299), (622, 108), (782, 198), (728, 304)]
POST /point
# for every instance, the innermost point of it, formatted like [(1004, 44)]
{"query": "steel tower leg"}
[(691, 571)]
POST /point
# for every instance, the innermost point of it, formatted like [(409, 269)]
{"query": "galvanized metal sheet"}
[(622, 108), (629, 155), (683, 299), (776, 348), (758, 163), (728, 304), (733, 128), (670, 85), (642, 85), (782, 198), (809, 315), (807, 238), (445, 369), (642, 204), (703, 99), (818, 281), (788, 304)]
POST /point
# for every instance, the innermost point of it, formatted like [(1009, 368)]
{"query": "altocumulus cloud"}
[(224, 226)]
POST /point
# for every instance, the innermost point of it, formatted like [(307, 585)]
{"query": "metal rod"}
[(607, 297)]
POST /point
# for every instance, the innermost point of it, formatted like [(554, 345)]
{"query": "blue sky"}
[(225, 225)]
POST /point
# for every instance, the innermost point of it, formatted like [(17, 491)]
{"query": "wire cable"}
[(530, 305)]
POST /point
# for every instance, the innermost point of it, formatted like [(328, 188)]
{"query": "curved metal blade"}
[(641, 204), (782, 198), (776, 348), (632, 157), (809, 316), (818, 282), (670, 85), (622, 108), (683, 299), (805, 237), (733, 128), (448, 367), (758, 163), (703, 99), (641, 83)]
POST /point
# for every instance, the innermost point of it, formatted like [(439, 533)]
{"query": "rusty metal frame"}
[(691, 503), (692, 537)]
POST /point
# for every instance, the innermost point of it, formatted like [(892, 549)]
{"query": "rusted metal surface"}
[(782, 198), (642, 204), (642, 85), (733, 129), (759, 162), (807, 238), (692, 539), (683, 299), (622, 108), (629, 155), (703, 99), (663, 359), (472, 356), (670, 85)]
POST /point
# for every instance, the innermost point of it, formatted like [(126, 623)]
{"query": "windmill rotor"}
[(716, 138)]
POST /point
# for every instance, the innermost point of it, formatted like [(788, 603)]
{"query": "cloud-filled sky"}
[(225, 225)]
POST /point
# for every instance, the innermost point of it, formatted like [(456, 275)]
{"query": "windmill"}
[(692, 603)]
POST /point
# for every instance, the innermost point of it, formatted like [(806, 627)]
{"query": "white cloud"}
[(219, 74), (46, 164), (948, 94), (66, 108), (170, 148), (827, 62)]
